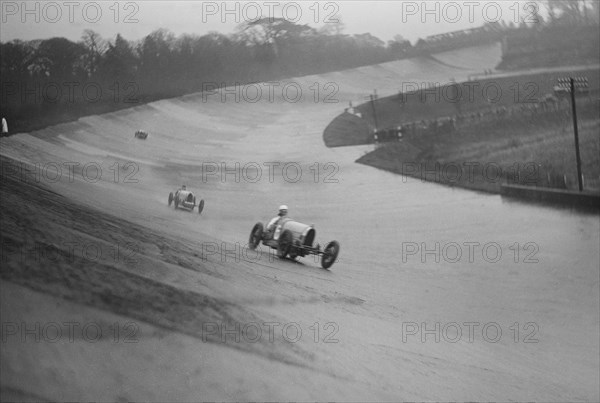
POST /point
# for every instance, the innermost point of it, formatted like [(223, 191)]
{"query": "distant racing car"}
[(184, 199), (141, 134), (292, 238)]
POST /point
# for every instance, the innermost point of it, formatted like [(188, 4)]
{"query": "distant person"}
[(4, 127)]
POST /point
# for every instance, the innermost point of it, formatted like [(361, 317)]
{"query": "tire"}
[(255, 236), (170, 198), (293, 254), (330, 254), (200, 206), (176, 202), (284, 244)]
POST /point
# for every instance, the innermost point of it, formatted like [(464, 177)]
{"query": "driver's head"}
[(182, 187), (283, 209)]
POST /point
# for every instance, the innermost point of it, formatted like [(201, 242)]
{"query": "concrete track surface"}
[(438, 294)]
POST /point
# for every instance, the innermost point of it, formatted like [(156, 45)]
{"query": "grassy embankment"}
[(536, 151), (514, 139)]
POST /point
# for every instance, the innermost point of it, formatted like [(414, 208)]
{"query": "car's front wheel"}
[(255, 236), (330, 254), (170, 198), (200, 206), (284, 244)]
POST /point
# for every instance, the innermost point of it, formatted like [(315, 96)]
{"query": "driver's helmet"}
[(183, 187), (283, 209)]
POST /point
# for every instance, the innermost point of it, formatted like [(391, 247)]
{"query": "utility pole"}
[(577, 156), (571, 85)]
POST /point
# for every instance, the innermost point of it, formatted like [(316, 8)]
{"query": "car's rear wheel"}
[(170, 198), (330, 254), (200, 206), (284, 244), (255, 236)]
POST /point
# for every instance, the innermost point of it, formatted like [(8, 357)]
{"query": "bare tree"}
[(333, 28), (273, 32), (568, 12), (95, 48)]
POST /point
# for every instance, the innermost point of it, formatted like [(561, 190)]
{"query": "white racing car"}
[(292, 238), (184, 199)]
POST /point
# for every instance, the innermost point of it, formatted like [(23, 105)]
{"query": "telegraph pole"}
[(579, 176), (571, 85)]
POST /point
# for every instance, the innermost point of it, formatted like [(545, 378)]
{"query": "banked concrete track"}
[(369, 309)]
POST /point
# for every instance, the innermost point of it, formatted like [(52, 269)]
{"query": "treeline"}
[(570, 35), (550, 46), (54, 80)]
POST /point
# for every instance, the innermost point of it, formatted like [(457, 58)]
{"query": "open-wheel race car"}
[(141, 134), (184, 199), (292, 238)]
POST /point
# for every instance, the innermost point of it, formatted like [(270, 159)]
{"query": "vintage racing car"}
[(185, 199), (141, 134), (292, 238)]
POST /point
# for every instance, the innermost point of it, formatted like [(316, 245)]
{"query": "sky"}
[(136, 19)]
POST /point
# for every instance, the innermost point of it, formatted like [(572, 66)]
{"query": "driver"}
[(178, 191), (283, 210)]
